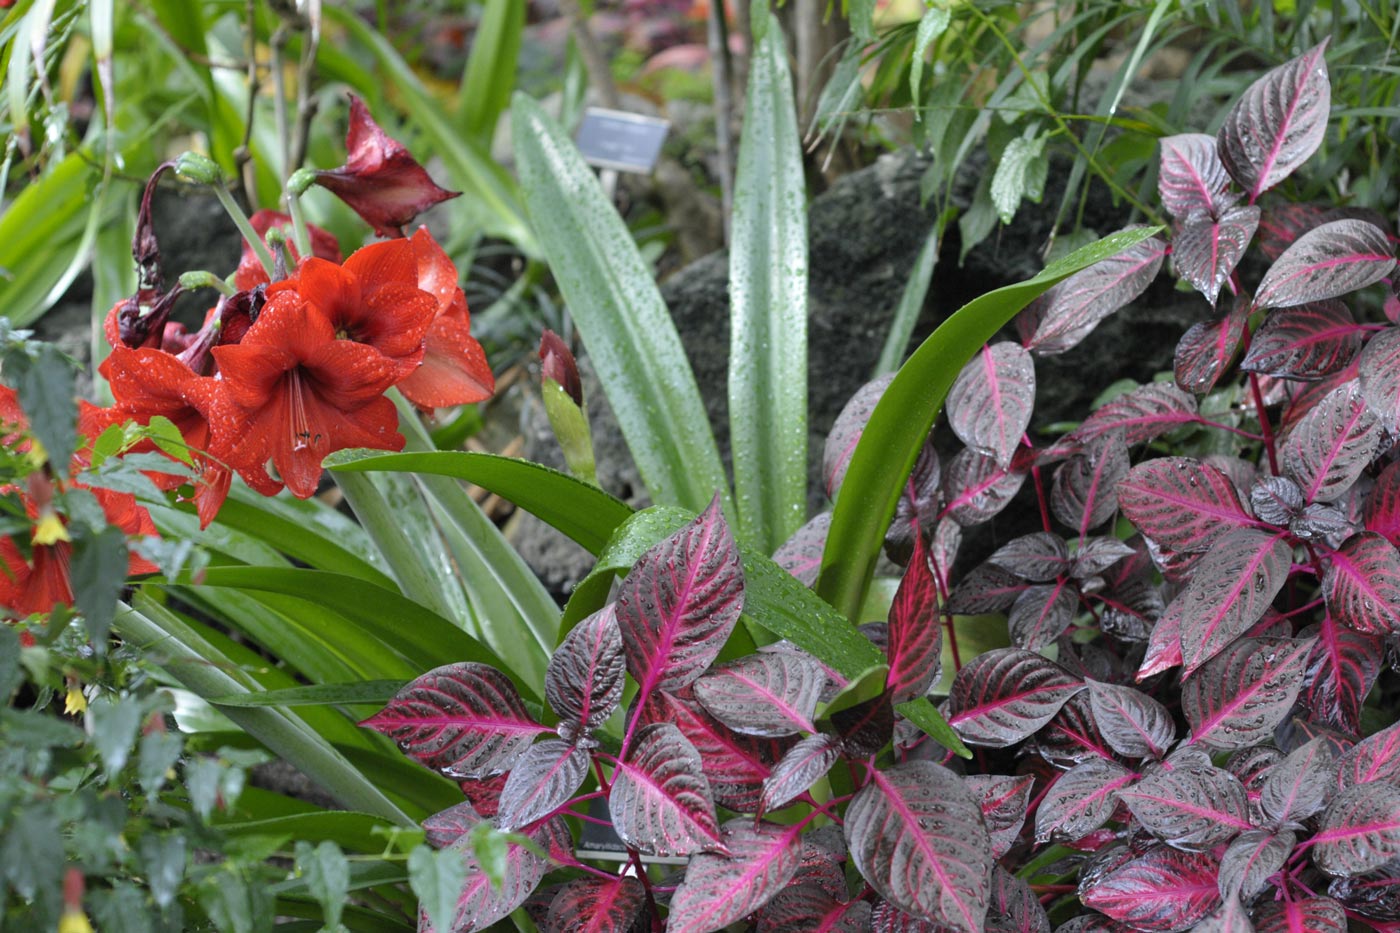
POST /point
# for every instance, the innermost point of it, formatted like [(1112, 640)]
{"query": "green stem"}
[(245, 227), (301, 233)]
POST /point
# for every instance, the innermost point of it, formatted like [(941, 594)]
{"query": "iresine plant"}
[(1178, 734)]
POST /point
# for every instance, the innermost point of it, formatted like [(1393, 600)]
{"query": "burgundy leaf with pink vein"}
[(1080, 800), (1333, 443), (1163, 890), (541, 782), (1235, 583), (1379, 373), (583, 682), (720, 888), (1327, 262), (466, 720), (768, 694), (989, 406), (1307, 342), (1189, 808), (1206, 349), (1360, 831), (915, 635), (660, 800), (1068, 312), (1362, 584), (1192, 179), (1005, 695), (1206, 249), (916, 835), (1277, 123), (679, 603), (1238, 697)]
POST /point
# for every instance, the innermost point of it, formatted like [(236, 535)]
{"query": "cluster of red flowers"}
[(283, 372)]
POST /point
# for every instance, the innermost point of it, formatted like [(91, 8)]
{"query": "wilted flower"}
[(380, 180)]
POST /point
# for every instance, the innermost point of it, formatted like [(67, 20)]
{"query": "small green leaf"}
[(202, 781), (114, 723), (98, 570), (163, 858), (47, 393), (327, 873), (155, 756), (490, 847), (437, 878), (932, 24), (9, 662), (1009, 182), (163, 433), (31, 853)]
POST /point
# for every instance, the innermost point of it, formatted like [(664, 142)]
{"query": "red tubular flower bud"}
[(558, 364)]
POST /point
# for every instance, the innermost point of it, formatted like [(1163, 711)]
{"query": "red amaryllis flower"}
[(379, 180), (147, 383), (454, 370), (373, 299), (251, 273), (292, 393)]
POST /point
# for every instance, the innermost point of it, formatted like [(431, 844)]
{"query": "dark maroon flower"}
[(558, 364), (380, 180)]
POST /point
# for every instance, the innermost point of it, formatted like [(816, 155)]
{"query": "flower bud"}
[(198, 168), (558, 364)]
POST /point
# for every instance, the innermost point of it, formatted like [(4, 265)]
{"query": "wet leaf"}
[(466, 720), (1311, 914), (768, 694), (1206, 349), (801, 555), (660, 801), (915, 637), (1068, 312), (1206, 248), (680, 602), (1181, 503), (1081, 800), (1041, 614), (542, 780), (1006, 695), (1362, 584), (1307, 342), (1379, 374), (1004, 800), (1192, 178), (759, 861), (1161, 891), (1084, 493), (846, 432), (989, 406), (1131, 721), (1342, 670), (1038, 557), (976, 488), (1237, 698), (1360, 831), (583, 682), (597, 905), (1277, 123), (1189, 808), (1326, 262), (1251, 859), (916, 835), (1142, 414), (1230, 590), (804, 763), (1300, 785)]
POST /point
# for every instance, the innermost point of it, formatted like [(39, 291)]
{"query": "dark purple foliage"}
[(1200, 626)]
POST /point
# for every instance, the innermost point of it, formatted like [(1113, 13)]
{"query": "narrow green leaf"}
[(618, 310), (585, 513), (365, 691), (490, 71), (911, 303), (906, 412), (768, 309), (417, 631), (207, 672)]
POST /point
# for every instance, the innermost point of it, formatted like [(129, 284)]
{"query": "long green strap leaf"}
[(768, 309), (901, 421), (364, 691), (618, 310), (585, 513), (204, 671), (490, 72), (418, 633)]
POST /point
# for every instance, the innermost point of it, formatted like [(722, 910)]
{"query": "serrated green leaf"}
[(1009, 182), (327, 873), (47, 393), (156, 754), (437, 878), (932, 24), (163, 861), (98, 569), (114, 723)]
